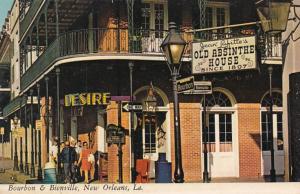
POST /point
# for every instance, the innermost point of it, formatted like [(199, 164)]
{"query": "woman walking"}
[(85, 163)]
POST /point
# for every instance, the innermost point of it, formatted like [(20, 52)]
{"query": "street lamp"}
[(151, 101), (173, 47), (273, 15), (15, 123)]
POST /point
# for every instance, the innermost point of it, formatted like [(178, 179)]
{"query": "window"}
[(153, 18), (146, 13), (225, 132), (216, 13), (277, 122), (150, 134), (159, 20)]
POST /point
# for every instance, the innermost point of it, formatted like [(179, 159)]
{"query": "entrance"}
[(221, 133), (277, 134), (151, 134)]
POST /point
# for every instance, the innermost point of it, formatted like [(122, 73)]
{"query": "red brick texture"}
[(190, 140), (249, 140), (113, 169)]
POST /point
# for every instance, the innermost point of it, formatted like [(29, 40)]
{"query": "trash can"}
[(163, 172), (50, 173)]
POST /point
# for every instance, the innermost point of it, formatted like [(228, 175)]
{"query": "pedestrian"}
[(68, 158), (78, 148), (86, 163), (53, 150)]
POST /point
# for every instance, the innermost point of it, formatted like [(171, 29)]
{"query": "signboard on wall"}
[(82, 99), (233, 54)]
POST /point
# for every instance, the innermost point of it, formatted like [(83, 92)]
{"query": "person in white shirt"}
[(53, 151)]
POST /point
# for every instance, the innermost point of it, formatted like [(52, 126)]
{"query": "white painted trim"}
[(278, 90), (235, 145), (5, 90)]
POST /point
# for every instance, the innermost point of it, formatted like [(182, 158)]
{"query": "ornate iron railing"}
[(113, 40), (29, 15)]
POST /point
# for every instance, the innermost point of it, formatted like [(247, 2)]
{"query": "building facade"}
[(75, 58)]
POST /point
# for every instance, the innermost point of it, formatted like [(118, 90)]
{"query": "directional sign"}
[(136, 107), (201, 87), (185, 84)]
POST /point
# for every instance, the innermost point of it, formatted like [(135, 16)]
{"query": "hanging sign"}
[(38, 125), (81, 99), (2, 131), (224, 55)]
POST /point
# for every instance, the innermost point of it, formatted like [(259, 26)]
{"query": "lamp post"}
[(15, 123), (173, 47), (40, 173), (274, 16), (26, 138), (32, 169), (21, 141), (131, 65)]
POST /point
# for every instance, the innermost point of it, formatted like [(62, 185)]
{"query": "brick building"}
[(80, 51)]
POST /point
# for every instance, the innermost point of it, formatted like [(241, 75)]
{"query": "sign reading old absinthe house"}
[(81, 99), (224, 55)]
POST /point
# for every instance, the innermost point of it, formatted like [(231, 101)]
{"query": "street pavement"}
[(12, 177), (5, 165)]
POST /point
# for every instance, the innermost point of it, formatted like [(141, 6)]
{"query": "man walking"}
[(68, 158)]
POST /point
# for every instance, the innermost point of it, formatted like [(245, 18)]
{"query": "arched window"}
[(218, 99), (277, 121), (219, 121)]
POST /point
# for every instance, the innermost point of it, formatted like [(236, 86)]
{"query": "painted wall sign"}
[(224, 55), (81, 99)]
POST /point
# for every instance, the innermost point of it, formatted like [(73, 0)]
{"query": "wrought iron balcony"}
[(27, 16), (112, 41)]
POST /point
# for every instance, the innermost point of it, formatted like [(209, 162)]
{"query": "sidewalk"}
[(15, 177), (9, 176)]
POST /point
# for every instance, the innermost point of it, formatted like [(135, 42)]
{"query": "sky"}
[(5, 5)]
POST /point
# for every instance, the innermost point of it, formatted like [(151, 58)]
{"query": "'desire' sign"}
[(81, 99), (224, 55)]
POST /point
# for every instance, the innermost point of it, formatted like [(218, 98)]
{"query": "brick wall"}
[(190, 140), (249, 140), (113, 170)]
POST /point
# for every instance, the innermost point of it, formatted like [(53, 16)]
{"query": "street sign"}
[(185, 84), (134, 106), (201, 87), (2, 131), (38, 125)]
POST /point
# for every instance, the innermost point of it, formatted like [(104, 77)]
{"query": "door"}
[(220, 132), (154, 21), (277, 142)]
